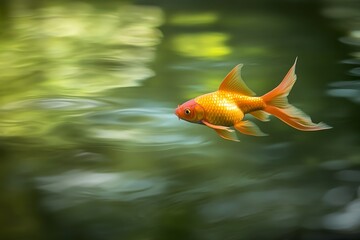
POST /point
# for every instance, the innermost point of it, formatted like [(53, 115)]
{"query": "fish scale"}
[(225, 108)]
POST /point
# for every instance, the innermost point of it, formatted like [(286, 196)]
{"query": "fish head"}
[(190, 111)]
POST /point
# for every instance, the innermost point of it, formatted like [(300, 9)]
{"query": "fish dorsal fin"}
[(234, 83)]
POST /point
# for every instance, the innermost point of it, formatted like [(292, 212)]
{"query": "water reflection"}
[(43, 115), (78, 187), (91, 149), (191, 19), (346, 219), (346, 89), (345, 13), (143, 127), (254, 203), (338, 196), (202, 45), (70, 50), (54, 103), (75, 50)]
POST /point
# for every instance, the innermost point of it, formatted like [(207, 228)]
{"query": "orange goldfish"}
[(227, 106)]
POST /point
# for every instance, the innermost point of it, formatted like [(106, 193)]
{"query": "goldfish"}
[(225, 108)]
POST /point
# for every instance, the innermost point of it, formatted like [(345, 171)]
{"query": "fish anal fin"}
[(228, 134), (234, 83), (249, 128), (261, 115)]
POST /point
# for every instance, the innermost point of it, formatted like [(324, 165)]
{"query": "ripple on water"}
[(38, 117), (76, 187), (143, 127), (55, 104), (346, 89)]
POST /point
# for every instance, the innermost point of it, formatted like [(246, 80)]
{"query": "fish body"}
[(227, 107)]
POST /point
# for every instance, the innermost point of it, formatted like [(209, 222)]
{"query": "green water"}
[(90, 147)]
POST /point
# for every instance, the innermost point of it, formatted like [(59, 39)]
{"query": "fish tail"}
[(276, 103)]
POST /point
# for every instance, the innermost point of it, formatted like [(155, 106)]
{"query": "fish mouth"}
[(177, 112)]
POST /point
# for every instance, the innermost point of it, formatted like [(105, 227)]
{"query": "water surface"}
[(90, 147)]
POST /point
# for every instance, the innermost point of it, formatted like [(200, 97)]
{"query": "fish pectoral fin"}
[(228, 134), (261, 115), (215, 126), (249, 128), (222, 131)]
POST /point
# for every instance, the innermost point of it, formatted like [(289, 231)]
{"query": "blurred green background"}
[(90, 147)]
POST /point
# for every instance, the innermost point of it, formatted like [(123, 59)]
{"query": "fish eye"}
[(187, 111)]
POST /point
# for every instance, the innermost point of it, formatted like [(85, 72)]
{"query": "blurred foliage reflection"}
[(90, 147)]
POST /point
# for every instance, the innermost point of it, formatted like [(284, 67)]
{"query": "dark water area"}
[(90, 147)]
